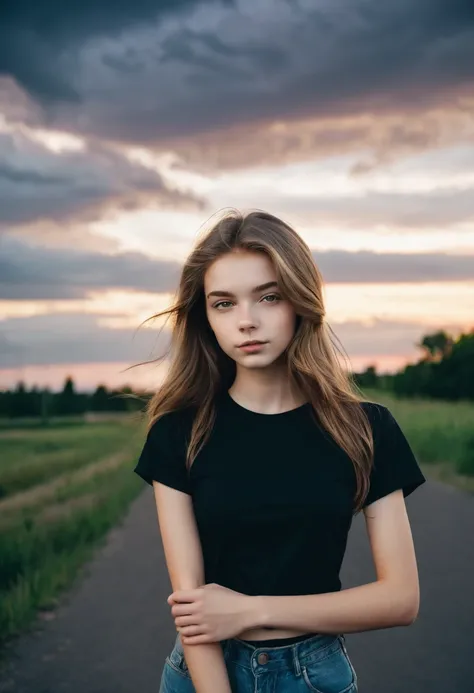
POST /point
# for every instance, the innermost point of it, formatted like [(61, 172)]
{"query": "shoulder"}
[(172, 425), (163, 455), (395, 464), (375, 411), (380, 417)]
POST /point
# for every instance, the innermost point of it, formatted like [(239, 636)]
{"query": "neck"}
[(268, 390)]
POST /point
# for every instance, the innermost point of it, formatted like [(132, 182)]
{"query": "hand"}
[(210, 613)]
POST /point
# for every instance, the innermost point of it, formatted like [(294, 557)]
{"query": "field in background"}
[(64, 486)]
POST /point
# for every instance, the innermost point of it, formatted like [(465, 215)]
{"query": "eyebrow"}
[(260, 287)]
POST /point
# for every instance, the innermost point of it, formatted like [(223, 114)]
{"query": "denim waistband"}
[(278, 642), (279, 658)]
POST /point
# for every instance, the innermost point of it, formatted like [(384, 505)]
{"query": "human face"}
[(244, 302)]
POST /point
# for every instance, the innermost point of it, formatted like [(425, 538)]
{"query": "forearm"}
[(366, 607), (207, 668)]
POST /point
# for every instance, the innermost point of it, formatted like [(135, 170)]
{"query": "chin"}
[(256, 362)]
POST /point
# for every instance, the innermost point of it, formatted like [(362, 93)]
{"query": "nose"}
[(247, 320), (246, 324)]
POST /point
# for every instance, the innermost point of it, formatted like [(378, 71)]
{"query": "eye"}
[(275, 296), (219, 303)]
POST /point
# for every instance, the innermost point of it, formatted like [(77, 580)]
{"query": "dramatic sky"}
[(124, 126)]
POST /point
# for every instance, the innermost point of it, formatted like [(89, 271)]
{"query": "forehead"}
[(239, 271)]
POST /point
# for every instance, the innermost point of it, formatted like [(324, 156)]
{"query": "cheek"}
[(221, 331), (286, 322), (214, 324)]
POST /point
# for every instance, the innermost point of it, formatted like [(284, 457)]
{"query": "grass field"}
[(62, 487)]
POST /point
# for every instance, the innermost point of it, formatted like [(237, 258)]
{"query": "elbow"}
[(403, 603), (409, 617), (409, 610)]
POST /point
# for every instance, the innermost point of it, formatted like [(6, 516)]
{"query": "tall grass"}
[(31, 457), (48, 530)]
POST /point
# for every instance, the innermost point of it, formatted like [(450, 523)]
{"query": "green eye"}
[(221, 304)]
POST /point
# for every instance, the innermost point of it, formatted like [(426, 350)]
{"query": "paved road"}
[(114, 629)]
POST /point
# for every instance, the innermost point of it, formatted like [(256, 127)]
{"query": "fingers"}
[(183, 609), (191, 630), (185, 621), (197, 640), (184, 596)]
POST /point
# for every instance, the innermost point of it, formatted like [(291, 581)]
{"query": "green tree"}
[(66, 400), (437, 345), (100, 400)]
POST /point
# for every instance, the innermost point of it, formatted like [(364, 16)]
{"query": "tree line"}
[(445, 370), (43, 403)]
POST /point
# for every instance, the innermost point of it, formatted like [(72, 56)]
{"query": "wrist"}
[(257, 614)]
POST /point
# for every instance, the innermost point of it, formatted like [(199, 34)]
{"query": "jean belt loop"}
[(296, 660)]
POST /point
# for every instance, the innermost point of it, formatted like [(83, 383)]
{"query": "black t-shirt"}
[(273, 493)]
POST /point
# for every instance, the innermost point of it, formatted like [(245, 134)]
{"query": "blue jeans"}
[(319, 664)]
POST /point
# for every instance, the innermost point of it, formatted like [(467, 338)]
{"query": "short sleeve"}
[(395, 464), (163, 456)]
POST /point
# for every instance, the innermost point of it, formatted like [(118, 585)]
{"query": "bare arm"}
[(185, 564), (392, 600)]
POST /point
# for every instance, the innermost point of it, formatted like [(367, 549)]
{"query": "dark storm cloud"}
[(34, 273), (38, 184), (38, 40), (151, 82)]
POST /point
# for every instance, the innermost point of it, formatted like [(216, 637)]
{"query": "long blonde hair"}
[(199, 370)]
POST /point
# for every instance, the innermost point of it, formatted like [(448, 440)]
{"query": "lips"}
[(252, 347), (251, 343)]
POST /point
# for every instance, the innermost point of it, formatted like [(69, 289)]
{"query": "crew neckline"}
[(262, 415)]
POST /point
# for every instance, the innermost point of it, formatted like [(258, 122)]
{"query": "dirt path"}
[(114, 629)]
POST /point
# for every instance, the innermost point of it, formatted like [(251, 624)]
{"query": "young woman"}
[(260, 451)]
